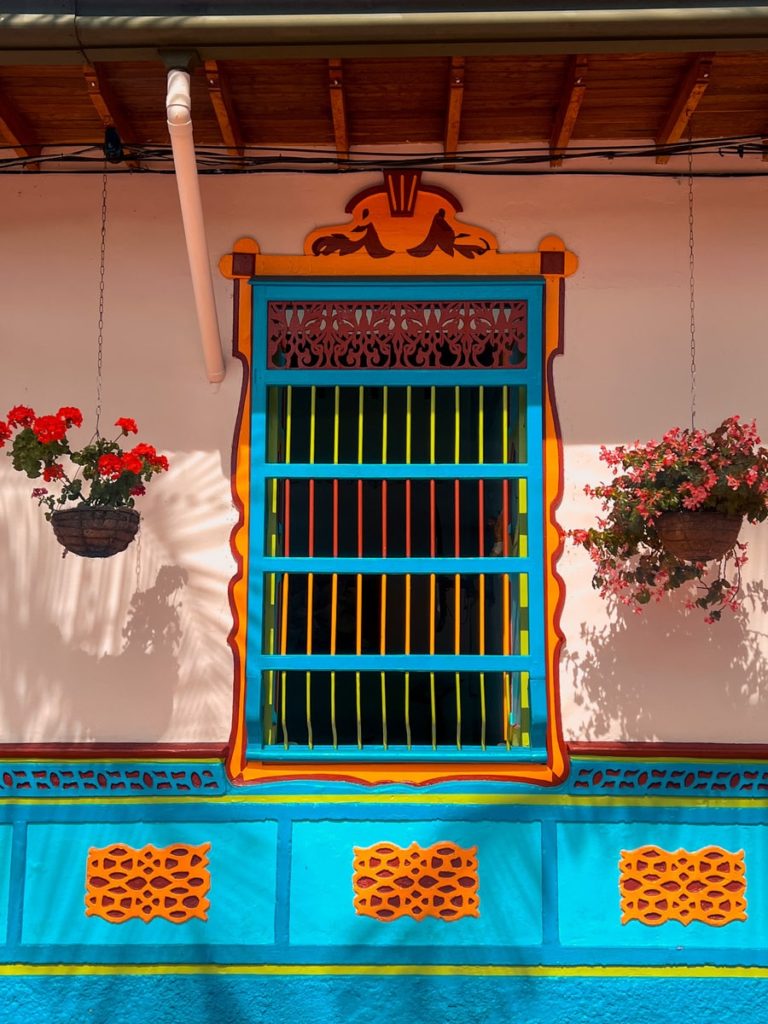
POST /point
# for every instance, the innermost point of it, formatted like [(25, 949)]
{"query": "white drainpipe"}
[(179, 110)]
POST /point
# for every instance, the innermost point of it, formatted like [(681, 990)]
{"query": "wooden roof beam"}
[(107, 106), (15, 130), (453, 113), (686, 100), (571, 98), (223, 108), (338, 108)]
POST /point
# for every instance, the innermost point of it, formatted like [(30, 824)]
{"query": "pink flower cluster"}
[(724, 472)]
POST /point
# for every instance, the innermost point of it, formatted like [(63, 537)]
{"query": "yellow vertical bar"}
[(359, 612), (506, 583), (408, 424), (507, 651), (457, 578), (288, 424), (481, 651), (432, 419), (432, 698), (505, 424), (335, 577), (312, 422), (310, 576), (383, 601), (283, 649), (284, 617)]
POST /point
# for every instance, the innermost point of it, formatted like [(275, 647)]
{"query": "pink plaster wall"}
[(135, 650)]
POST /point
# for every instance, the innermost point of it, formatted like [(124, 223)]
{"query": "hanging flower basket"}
[(698, 536), (672, 514), (92, 512), (95, 532)]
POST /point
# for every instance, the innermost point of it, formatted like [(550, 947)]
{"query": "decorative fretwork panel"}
[(170, 882), (397, 335), (433, 881), (708, 885)]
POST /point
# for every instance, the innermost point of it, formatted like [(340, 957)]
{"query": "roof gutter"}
[(65, 37)]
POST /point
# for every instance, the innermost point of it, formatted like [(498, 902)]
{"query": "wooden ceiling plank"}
[(15, 130), (453, 113), (223, 107), (338, 108), (685, 102), (571, 98)]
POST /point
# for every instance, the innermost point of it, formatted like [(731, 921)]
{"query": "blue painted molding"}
[(203, 780), (57, 780)]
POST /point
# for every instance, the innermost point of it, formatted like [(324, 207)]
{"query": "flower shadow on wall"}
[(83, 656), (614, 699)]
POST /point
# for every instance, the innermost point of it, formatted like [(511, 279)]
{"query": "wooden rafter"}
[(453, 113), (223, 108), (571, 98), (686, 100), (338, 107), (15, 130), (107, 106)]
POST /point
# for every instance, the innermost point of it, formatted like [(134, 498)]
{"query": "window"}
[(396, 550)]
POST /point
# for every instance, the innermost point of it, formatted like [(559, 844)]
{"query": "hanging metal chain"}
[(138, 561), (692, 288), (102, 260)]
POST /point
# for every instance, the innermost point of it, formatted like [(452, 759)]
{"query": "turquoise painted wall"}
[(282, 940)]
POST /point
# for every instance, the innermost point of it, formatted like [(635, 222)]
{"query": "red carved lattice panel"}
[(169, 882), (397, 335), (433, 881), (657, 886)]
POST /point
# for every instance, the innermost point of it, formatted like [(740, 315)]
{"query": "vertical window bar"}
[(407, 696), (432, 552), (457, 552), (311, 552), (359, 610), (335, 577), (481, 604), (506, 611), (286, 578), (383, 624)]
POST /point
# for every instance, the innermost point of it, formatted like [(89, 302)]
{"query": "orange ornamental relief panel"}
[(421, 881), (708, 885), (171, 882)]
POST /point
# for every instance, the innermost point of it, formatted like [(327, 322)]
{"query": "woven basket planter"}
[(95, 532), (698, 536)]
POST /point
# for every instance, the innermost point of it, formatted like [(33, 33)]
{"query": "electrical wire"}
[(88, 158)]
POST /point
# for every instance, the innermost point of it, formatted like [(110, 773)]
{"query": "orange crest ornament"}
[(402, 217)]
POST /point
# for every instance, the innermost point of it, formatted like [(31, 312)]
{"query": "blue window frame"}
[(395, 589)]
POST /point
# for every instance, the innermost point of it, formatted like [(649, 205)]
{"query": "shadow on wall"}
[(671, 702), (86, 654)]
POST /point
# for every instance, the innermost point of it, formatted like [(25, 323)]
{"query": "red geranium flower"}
[(131, 463), (146, 451), (127, 425), (160, 463), (38, 492), (54, 472), (71, 416), (5, 433), (110, 466), (21, 416), (49, 428), (136, 492)]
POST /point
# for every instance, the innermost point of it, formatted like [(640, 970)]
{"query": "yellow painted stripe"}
[(480, 799), (440, 970)]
